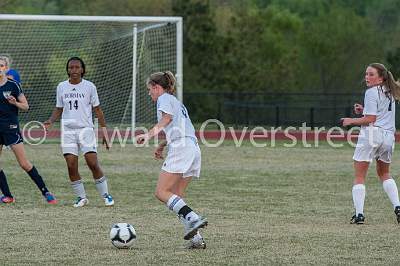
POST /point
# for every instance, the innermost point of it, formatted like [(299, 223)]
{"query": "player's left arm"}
[(165, 120), (21, 103), (102, 121)]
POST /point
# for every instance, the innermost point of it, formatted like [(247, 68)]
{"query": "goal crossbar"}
[(132, 19), (151, 23)]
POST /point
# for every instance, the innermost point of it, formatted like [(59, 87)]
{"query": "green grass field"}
[(264, 206)]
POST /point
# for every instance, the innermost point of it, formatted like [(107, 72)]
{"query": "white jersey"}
[(376, 102), (77, 101), (181, 126)]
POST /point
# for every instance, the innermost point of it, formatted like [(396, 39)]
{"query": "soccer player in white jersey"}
[(184, 157), (75, 99), (376, 138)]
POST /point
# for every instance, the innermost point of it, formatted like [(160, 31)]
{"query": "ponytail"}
[(392, 86), (165, 79)]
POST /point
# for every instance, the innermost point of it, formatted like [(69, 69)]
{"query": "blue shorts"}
[(10, 137)]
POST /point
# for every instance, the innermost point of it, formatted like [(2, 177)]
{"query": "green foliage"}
[(203, 48), (393, 59), (259, 45), (335, 50), (263, 48)]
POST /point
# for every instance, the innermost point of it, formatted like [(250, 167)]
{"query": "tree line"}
[(263, 45)]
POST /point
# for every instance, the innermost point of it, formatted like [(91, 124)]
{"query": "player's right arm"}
[(158, 153), (57, 112), (164, 121)]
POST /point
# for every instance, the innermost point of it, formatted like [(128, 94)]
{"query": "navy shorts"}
[(10, 136)]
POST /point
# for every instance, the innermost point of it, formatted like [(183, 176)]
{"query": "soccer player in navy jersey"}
[(11, 100), (6, 66)]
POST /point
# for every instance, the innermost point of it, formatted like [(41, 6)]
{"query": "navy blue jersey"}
[(9, 112)]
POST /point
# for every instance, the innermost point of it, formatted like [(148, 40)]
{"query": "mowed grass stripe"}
[(265, 206)]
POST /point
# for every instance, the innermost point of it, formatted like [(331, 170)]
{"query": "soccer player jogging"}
[(184, 157), (75, 99), (376, 138), (11, 100)]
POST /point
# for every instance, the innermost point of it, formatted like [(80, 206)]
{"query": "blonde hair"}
[(6, 59), (165, 79), (389, 82)]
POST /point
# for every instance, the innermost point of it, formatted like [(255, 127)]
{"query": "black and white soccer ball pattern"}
[(122, 235)]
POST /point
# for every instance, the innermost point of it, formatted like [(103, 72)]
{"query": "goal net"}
[(119, 53)]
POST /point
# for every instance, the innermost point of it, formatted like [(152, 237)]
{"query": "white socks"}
[(79, 190), (359, 198), (389, 185), (175, 203), (101, 186)]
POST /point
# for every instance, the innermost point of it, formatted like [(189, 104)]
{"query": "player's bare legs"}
[(20, 155), (389, 186), (72, 165), (99, 177), (383, 169), (360, 172), (19, 152), (166, 183), (93, 164), (180, 187)]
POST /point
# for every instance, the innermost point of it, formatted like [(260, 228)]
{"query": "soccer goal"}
[(119, 53)]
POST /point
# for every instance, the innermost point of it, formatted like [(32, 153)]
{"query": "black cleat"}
[(359, 219), (397, 212)]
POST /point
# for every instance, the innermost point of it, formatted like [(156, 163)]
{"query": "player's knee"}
[(26, 166), (159, 193), (179, 192), (384, 177), (72, 169), (359, 180), (93, 166)]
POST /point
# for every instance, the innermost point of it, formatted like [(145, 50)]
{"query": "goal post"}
[(119, 53)]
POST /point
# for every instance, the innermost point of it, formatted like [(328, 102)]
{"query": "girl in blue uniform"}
[(11, 100)]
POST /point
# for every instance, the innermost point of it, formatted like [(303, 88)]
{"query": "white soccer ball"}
[(122, 235)]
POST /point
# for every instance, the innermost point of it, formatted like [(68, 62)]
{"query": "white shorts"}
[(81, 140), (184, 157), (374, 143)]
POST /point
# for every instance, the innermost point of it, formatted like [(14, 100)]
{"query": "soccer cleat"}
[(397, 212), (108, 200), (80, 202), (196, 243), (193, 226), (50, 198), (7, 200), (357, 219)]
